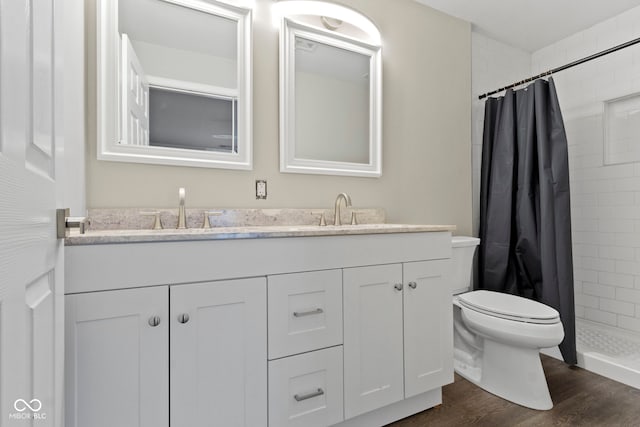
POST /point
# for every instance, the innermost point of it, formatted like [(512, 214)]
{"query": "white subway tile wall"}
[(605, 199)]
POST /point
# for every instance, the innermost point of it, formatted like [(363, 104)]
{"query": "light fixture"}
[(330, 23), (336, 12)]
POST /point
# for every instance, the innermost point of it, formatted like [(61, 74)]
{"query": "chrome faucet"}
[(347, 204), (182, 217)]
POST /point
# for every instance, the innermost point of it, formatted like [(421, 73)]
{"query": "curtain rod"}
[(564, 67)]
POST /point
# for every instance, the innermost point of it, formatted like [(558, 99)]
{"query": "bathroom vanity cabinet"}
[(123, 351), (296, 331)]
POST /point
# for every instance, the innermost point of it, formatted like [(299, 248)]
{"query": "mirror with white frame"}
[(330, 91), (174, 83)]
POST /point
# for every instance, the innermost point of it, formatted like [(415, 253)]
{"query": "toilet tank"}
[(462, 250)]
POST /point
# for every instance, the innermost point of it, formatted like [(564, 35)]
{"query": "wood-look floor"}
[(581, 398)]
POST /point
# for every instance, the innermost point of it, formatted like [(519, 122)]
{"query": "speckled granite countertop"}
[(96, 237), (128, 225)]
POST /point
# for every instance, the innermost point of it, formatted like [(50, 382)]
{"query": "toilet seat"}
[(509, 307)]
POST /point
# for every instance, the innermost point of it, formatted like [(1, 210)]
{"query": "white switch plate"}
[(261, 189)]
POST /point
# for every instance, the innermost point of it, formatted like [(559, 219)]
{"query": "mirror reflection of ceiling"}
[(319, 58), (162, 23)]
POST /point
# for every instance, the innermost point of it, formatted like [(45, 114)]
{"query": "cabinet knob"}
[(183, 318), (398, 286), (413, 285), (154, 321)]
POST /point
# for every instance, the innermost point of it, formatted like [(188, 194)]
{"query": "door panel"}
[(135, 93), (219, 354), (428, 330), (39, 299), (373, 365), (41, 146)]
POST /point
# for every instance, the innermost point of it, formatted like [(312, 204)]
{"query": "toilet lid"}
[(507, 306)]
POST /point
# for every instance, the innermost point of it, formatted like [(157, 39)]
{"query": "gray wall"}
[(426, 131)]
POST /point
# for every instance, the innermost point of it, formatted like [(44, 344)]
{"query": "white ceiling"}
[(170, 25), (331, 61), (529, 24)]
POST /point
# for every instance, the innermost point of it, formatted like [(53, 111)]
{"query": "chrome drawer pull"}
[(307, 313), (313, 394)]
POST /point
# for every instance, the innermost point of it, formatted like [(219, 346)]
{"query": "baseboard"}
[(396, 411)]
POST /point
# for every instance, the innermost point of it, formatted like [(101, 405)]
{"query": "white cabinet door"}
[(116, 359), (373, 362), (428, 330), (219, 354)]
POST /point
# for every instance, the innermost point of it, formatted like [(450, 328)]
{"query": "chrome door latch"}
[(64, 222)]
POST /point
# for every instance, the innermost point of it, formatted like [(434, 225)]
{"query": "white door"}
[(117, 358), (219, 354), (135, 94), (31, 257), (373, 364), (428, 336)]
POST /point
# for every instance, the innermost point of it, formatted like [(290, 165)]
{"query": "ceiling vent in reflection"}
[(305, 45)]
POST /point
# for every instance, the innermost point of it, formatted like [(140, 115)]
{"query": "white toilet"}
[(498, 336)]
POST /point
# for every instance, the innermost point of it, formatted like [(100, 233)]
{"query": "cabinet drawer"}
[(305, 312), (306, 390)]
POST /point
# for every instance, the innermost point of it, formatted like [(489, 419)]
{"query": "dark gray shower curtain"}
[(525, 217)]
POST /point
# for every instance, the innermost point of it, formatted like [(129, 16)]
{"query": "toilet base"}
[(512, 373)]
